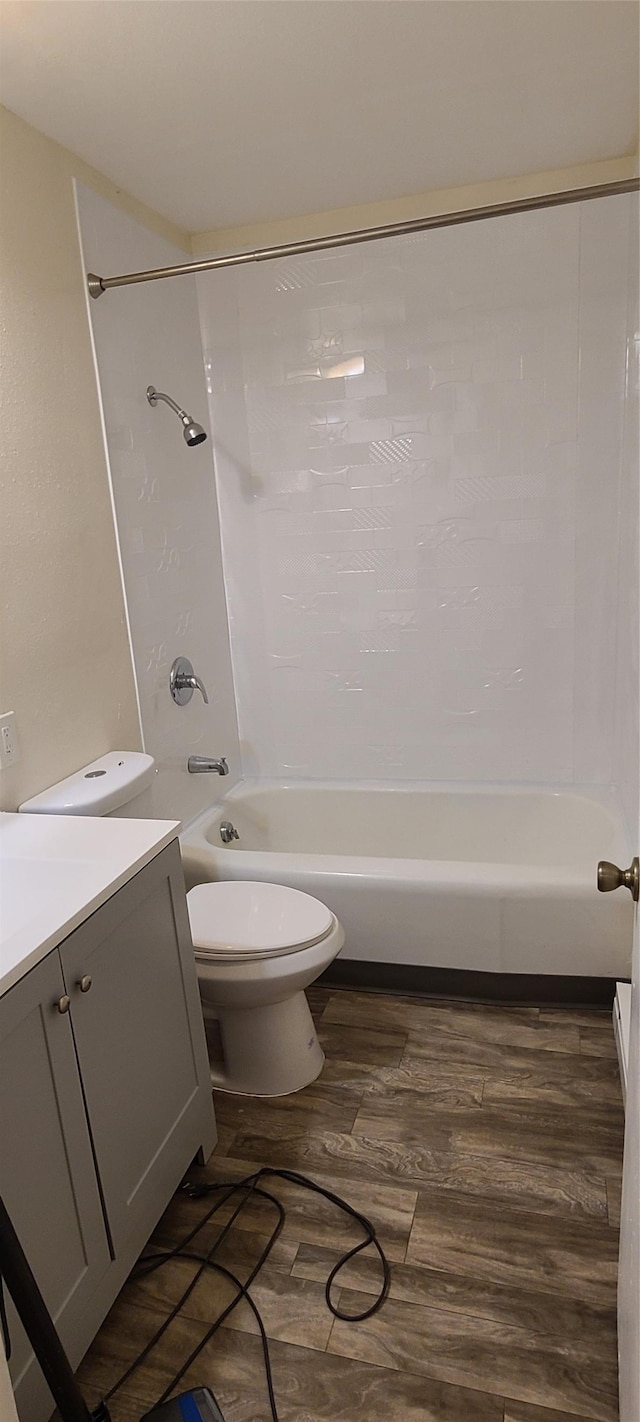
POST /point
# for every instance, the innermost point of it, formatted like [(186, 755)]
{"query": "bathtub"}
[(437, 884)]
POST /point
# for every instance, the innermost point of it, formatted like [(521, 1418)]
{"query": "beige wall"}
[(65, 665)]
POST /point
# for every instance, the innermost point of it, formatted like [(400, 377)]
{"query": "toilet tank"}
[(96, 789)]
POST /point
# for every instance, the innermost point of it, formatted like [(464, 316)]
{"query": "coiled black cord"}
[(250, 1187)]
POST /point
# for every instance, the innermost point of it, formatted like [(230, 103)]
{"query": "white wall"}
[(165, 503), (421, 560)]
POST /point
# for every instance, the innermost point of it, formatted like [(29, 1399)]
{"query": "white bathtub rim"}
[(486, 875), (477, 875), (605, 797)]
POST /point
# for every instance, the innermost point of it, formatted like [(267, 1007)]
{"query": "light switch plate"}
[(9, 748)]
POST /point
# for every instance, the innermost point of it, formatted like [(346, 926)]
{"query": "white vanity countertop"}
[(55, 870)]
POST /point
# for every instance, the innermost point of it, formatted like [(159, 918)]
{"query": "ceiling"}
[(220, 113)]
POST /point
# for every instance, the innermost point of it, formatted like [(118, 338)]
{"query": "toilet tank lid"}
[(96, 789)]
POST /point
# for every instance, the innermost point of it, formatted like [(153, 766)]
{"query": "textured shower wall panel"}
[(418, 447), (165, 506), (604, 290)]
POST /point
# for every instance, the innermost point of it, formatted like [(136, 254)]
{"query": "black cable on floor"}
[(154, 1261), (250, 1188)]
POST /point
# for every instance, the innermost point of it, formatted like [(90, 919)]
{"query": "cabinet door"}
[(140, 1042), (47, 1173)]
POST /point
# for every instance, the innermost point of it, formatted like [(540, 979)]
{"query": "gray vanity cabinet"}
[(142, 1064), (102, 1106), (47, 1175)]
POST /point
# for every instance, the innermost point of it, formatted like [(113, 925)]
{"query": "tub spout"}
[(206, 764)]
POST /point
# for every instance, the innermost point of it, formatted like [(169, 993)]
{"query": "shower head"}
[(193, 433)]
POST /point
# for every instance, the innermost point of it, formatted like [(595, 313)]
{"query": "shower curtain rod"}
[(97, 285)]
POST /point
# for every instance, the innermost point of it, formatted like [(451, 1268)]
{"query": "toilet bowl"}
[(257, 947)]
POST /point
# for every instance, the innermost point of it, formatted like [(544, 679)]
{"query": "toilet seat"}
[(242, 920)]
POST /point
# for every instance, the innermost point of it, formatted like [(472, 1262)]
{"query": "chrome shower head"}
[(193, 433)]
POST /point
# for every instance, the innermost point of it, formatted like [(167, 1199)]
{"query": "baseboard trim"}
[(513, 989)]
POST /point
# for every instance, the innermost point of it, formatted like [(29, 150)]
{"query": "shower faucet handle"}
[(183, 682)]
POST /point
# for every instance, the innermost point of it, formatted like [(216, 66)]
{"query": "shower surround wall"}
[(165, 507), (421, 558)]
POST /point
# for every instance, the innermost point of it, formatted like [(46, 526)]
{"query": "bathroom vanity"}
[(105, 1095)]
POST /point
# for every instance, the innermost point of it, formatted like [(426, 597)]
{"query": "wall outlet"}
[(9, 748)]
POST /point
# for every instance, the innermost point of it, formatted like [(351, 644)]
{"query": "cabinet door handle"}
[(84, 983), (64, 1003)]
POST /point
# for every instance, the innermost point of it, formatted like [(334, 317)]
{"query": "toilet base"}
[(268, 1051)]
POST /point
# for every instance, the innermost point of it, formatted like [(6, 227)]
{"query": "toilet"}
[(258, 946)]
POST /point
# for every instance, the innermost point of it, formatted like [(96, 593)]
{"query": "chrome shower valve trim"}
[(183, 682)]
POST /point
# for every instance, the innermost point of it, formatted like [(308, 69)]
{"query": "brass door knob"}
[(611, 877), (64, 1003), (84, 983)]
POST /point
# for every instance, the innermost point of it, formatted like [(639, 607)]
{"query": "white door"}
[(627, 776), (629, 1268), (629, 1271)]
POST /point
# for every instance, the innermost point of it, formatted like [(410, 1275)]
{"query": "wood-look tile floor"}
[(485, 1143)]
